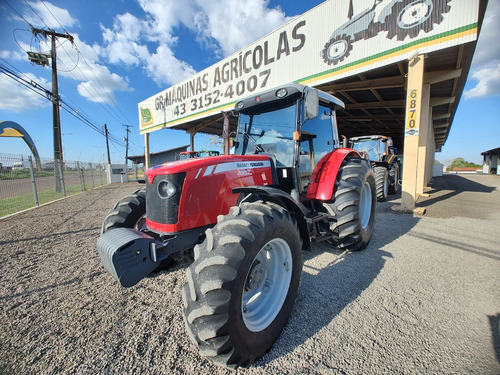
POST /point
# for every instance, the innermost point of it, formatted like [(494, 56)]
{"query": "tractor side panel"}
[(325, 174)]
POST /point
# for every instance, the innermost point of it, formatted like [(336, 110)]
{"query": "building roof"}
[(176, 149), (493, 151)]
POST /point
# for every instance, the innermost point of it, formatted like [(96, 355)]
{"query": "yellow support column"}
[(423, 164), (412, 133), (147, 159)]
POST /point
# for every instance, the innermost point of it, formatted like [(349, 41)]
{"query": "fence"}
[(25, 183)]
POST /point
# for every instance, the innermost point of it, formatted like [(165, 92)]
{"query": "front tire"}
[(353, 205), (241, 287), (337, 49), (129, 212)]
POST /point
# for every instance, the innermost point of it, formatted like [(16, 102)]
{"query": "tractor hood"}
[(198, 190)]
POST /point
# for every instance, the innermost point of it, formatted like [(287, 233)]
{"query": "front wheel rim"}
[(366, 205), (266, 285), (337, 49)]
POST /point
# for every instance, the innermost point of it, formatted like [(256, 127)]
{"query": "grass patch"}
[(12, 205), (17, 174)]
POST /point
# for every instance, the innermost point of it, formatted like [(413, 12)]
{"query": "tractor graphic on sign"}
[(400, 18)]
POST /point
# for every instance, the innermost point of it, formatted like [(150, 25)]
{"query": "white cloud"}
[(487, 54), (223, 27), (165, 67), (52, 15), (12, 55), (81, 63), (234, 24), (18, 98), (488, 83), (485, 68)]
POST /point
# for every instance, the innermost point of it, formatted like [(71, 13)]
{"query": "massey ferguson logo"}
[(250, 165)]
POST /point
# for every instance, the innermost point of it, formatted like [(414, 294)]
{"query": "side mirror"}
[(311, 103)]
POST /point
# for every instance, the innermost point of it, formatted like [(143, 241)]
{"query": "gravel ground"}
[(424, 297)]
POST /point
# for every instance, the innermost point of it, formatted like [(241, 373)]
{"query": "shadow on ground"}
[(327, 289)]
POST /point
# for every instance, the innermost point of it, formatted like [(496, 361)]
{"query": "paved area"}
[(464, 195), (422, 298)]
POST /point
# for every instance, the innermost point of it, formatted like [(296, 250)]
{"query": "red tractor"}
[(248, 216)]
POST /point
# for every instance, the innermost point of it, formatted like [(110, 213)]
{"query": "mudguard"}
[(324, 175)]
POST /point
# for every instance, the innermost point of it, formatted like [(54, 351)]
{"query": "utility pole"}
[(107, 143), (126, 148), (58, 156)]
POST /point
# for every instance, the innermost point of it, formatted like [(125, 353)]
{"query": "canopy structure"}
[(13, 129), (365, 57)]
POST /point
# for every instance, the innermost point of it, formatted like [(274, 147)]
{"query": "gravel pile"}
[(424, 297)]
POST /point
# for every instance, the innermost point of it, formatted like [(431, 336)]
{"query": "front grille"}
[(164, 211)]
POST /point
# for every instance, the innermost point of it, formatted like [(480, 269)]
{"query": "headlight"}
[(166, 189), (240, 105), (281, 93)]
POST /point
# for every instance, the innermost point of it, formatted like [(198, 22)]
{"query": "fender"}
[(324, 175), (298, 211)]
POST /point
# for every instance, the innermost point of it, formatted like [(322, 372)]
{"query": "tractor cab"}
[(375, 147), (282, 125)]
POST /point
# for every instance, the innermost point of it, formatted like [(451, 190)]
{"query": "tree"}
[(461, 163)]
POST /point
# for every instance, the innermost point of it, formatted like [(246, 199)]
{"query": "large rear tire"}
[(353, 205), (382, 183), (408, 17), (243, 282)]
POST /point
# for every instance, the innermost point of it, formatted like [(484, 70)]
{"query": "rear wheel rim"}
[(266, 285), (414, 14), (366, 205)]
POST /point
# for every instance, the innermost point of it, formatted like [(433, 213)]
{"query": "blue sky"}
[(128, 50)]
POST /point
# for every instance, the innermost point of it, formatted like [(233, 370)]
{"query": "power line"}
[(36, 14), (62, 27), (19, 14), (114, 114), (40, 90)]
